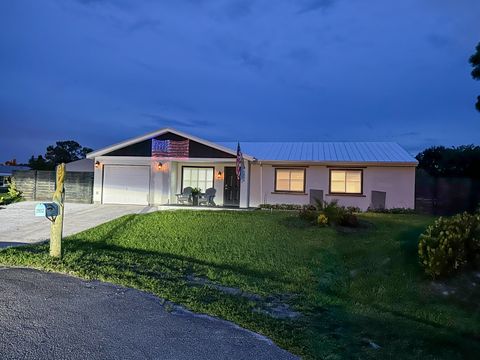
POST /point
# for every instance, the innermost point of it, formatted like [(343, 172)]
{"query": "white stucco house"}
[(153, 168)]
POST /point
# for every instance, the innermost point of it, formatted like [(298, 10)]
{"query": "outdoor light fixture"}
[(219, 175), (97, 164), (159, 166)]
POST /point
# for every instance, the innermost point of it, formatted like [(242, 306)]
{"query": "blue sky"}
[(100, 71)]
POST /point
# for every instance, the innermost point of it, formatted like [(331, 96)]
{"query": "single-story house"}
[(153, 168), (6, 172)]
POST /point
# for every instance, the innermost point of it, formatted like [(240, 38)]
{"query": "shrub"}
[(12, 195), (349, 220), (281, 206), (333, 211), (309, 214), (392, 211), (322, 220), (449, 244), (353, 209)]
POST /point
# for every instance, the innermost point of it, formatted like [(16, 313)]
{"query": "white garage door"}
[(126, 184)]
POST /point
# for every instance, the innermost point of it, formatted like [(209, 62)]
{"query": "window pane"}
[(337, 186), (354, 182), (337, 175), (354, 187), (296, 185), (186, 174), (283, 185), (354, 176), (297, 174), (283, 174)]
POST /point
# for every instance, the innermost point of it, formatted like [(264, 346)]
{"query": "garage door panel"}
[(126, 184)]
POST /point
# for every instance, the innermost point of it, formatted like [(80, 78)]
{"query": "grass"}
[(354, 289)]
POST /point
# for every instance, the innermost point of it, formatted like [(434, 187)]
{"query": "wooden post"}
[(56, 229)]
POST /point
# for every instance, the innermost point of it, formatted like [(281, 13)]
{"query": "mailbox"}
[(49, 210)]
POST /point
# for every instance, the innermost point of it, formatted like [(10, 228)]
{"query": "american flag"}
[(170, 148), (240, 166)]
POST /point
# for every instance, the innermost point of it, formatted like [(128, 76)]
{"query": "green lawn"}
[(354, 288)]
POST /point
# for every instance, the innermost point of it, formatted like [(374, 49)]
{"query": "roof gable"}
[(142, 146)]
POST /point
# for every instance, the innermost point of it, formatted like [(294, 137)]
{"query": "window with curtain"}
[(346, 181), (197, 177), (290, 180)]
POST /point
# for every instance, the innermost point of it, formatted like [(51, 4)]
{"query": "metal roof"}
[(381, 152)]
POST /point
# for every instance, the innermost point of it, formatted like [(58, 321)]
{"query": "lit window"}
[(346, 181), (290, 180), (197, 177)]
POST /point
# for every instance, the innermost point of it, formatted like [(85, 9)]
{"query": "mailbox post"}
[(57, 224), (53, 211)]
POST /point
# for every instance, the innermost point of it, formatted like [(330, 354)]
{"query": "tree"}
[(65, 152), (475, 61), (12, 162), (461, 161), (39, 163), (61, 152)]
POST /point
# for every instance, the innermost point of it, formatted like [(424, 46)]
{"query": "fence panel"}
[(40, 185)]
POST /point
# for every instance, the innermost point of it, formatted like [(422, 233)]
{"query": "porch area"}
[(203, 184)]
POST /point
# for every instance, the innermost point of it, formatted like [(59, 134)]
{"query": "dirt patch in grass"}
[(275, 306)]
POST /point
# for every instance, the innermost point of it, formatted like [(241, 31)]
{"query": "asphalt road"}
[(53, 316)]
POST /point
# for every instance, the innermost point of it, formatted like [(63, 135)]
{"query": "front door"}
[(231, 187)]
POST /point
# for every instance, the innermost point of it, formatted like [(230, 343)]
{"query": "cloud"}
[(303, 56), (239, 9), (167, 121), (306, 6), (251, 60), (145, 24), (438, 41)]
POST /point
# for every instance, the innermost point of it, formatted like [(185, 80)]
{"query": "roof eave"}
[(338, 163)]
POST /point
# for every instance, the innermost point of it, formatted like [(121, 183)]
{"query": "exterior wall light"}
[(97, 164), (159, 166), (219, 175)]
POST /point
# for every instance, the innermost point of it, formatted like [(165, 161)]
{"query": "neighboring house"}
[(153, 168), (82, 165), (6, 172)]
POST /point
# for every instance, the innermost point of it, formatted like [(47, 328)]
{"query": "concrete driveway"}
[(54, 316), (18, 225)]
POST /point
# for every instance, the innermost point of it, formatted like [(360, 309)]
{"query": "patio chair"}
[(185, 197), (207, 197)]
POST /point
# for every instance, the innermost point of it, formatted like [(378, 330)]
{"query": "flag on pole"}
[(240, 166)]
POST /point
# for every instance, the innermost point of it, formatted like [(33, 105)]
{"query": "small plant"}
[(449, 244), (330, 212), (196, 191), (322, 220), (308, 213), (12, 195)]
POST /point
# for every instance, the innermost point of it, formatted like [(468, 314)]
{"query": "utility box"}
[(48, 210)]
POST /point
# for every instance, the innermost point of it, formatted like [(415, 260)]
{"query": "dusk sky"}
[(101, 71)]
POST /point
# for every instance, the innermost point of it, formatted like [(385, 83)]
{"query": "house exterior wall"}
[(397, 182), (165, 182), (258, 188)]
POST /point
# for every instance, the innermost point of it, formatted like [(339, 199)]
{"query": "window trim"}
[(198, 167), (345, 193), (276, 191)]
